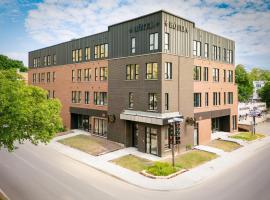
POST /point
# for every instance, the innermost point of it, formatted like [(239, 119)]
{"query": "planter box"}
[(145, 173)]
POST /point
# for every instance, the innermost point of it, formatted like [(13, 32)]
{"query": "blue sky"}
[(26, 25)]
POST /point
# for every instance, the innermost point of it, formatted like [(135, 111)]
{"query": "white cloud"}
[(246, 22)]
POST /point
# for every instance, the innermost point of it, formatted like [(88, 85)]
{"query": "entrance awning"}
[(148, 117)]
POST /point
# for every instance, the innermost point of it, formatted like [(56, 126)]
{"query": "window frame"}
[(150, 74), (152, 101), (168, 71)]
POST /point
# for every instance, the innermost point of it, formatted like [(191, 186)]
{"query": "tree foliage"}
[(258, 74), (244, 83), (7, 63), (25, 112), (264, 93)]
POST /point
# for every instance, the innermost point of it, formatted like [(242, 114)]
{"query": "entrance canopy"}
[(149, 117)]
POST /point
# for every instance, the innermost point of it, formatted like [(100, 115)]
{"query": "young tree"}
[(25, 112), (264, 93), (7, 63), (244, 83)]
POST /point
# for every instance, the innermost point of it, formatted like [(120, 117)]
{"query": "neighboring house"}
[(126, 83), (245, 108), (257, 86)]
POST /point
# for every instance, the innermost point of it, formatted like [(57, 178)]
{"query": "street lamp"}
[(174, 132)]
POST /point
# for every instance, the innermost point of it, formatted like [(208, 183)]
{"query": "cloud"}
[(245, 21)]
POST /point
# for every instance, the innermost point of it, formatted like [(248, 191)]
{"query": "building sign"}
[(143, 27), (173, 25)]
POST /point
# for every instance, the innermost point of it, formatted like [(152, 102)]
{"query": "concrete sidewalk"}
[(185, 180)]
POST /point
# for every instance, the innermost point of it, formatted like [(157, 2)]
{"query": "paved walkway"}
[(184, 180), (214, 150)]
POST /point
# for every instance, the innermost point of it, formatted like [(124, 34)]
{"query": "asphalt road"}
[(40, 173)]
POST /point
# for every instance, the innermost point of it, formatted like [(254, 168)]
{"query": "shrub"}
[(188, 147), (162, 169)]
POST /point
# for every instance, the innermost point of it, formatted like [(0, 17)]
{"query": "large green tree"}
[(244, 83), (7, 63), (264, 93), (258, 74), (25, 112)]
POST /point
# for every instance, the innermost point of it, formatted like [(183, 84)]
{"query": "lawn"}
[(193, 158), (90, 144), (132, 162), (247, 136), (224, 145)]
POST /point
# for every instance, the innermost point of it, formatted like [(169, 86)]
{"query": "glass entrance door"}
[(135, 134), (151, 141), (215, 124)]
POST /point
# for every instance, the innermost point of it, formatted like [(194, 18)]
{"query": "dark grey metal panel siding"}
[(120, 36)]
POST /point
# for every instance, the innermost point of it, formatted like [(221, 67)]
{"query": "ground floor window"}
[(151, 141), (100, 127), (167, 144), (234, 122)]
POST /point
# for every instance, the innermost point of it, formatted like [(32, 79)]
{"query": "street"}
[(38, 172)]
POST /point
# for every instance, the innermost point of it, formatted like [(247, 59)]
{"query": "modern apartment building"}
[(126, 83)]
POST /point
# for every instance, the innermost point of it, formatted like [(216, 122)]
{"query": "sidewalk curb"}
[(3, 195)]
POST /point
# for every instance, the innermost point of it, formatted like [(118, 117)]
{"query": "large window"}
[(216, 98), (76, 97), (87, 53), (230, 76), (197, 73), (100, 127), (215, 75), (97, 52), (100, 98), (196, 48), (133, 45), (132, 72), (103, 75), (168, 70), (35, 62), (167, 41), (153, 41), (206, 99), (152, 101), (214, 52), (166, 101), (87, 74), (197, 99), (79, 75), (206, 50), (49, 60), (86, 97), (131, 100), (205, 73), (230, 98), (101, 51), (151, 71), (77, 55)]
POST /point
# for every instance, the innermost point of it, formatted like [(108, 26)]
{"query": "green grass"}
[(247, 136), (162, 169), (224, 145), (194, 158), (132, 162), (89, 144)]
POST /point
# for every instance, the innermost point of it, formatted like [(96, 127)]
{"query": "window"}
[(79, 75), (96, 74), (205, 73), (34, 78), (53, 94), (101, 51), (218, 53), (49, 60), (152, 101), (151, 71), (103, 73), (73, 96), (35, 62), (54, 59), (45, 60), (166, 101), (73, 75), (39, 77), (133, 45), (197, 73), (100, 98), (87, 74), (77, 55), (234, 122), (196, 48), (100, 127), (225, 98), (206, 49), (76, 97), (224, 75), (230, 56), (87, 53), (106, 50), (167, 41), (73, 56), (215, 75), (214, 52), (197, 99), (230, 98), (132, 72), (38, 62), (97, 51), (153, 41), (206, 99), (53, 78), (86, 97), (48, 77), (168, 70), (230, 76), (48, 94), (224, 55), (42, 77), (167, 139), (80, 54), (130, 100), (216, 98)]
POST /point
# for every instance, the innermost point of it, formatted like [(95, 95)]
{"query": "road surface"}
[(40, 173)]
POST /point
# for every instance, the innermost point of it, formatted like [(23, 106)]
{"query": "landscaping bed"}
[(224, 145), (247, 136), (90, 144)]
